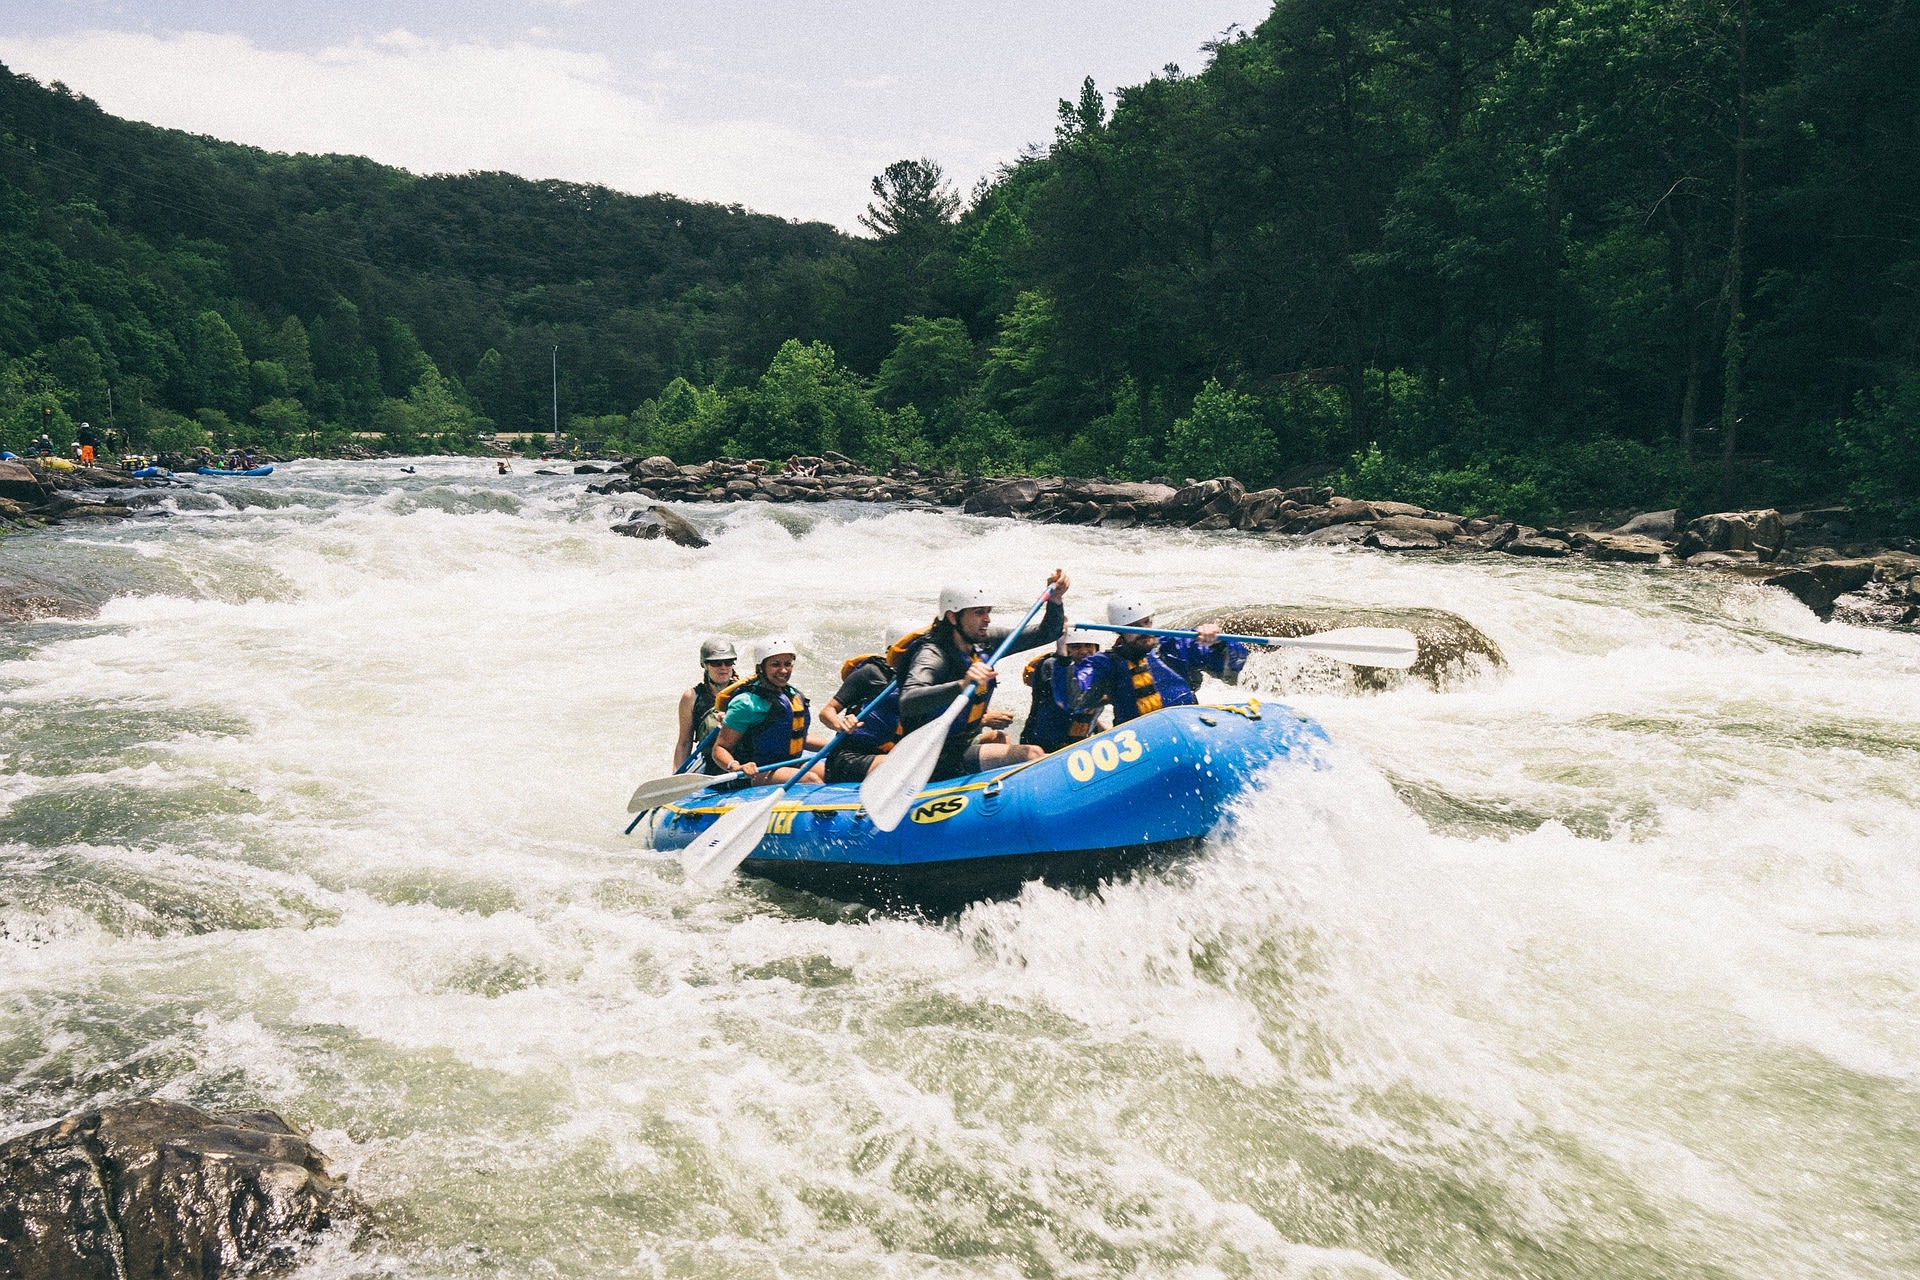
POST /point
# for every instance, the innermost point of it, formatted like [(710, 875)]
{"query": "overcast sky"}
[(787, 108)]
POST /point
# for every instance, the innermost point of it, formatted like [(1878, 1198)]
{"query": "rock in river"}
[(156, 1188), (659, 522), (1451, 648)]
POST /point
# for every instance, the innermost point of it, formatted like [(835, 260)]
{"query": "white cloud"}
[(449, 106)]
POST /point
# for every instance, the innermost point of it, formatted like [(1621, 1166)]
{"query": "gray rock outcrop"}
[(161, 1189), (1760, 532), (659, 522), (1451, 649)]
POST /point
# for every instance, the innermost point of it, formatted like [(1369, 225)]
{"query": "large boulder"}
[(1137, 494), (1760, 532), (1818, 585), (155, 1188), (19, 484), (1219, 496), (1007, 499), (1403, 532), (1632, 548), (659, 522), (1651, 524), (1451, 649)]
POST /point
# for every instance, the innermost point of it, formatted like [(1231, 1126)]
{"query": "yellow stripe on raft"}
[(1250, 708)]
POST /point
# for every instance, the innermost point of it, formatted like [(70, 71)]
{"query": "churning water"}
[(1602, 966)]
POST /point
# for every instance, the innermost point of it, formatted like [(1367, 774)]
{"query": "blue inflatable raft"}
[(1134, 795), (265, 469)]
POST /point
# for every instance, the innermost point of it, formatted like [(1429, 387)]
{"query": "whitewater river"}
[(1604, 966)]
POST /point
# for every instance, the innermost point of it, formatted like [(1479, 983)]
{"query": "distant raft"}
[(264, 469), (1132, 796)]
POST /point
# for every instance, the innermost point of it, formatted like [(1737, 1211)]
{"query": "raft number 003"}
[(1104, 756)]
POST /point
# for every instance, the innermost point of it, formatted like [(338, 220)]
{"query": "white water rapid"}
[(1604, 966)]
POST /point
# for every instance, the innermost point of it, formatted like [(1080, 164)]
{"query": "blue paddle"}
[(888, 791), (1356, 646), (738, 832)]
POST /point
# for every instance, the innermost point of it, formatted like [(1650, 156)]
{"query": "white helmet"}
[(895, 630), (1124, 611), (772, 647), (1080, 635), (966, 595)]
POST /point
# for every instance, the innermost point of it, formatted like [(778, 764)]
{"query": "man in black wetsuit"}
[(951, 657)]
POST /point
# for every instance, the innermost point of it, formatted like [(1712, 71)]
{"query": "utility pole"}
[(556, 396)]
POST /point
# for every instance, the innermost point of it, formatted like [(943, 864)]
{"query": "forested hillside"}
[(1489, 255)]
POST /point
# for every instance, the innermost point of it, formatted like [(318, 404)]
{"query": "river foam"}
[(1602, 965)]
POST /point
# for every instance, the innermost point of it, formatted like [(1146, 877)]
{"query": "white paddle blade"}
[(658, 791), (723, 846), (1358, 646), (888, 790)]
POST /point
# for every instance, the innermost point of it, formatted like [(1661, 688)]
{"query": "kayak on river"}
[(264, 469)]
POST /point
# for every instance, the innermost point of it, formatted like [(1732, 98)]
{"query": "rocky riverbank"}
[(33, 493), (1814, 555)]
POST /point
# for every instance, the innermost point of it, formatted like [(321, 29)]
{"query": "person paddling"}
[(1140, 674), (1052, 721), (763, 717), (867, 708), (698, 714), (937, 665)]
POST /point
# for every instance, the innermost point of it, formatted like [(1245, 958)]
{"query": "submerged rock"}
[(659, 522), (24, 598), (155, 1188), (1451, 648)]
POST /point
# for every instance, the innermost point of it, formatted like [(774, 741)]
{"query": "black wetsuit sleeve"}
[(1051, 624)]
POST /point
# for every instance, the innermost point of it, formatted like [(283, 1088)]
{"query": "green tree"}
[(914, 206), (437, 410), (806, 403), (1226, 434), (294, 353), (217, 373), (76, 365), (284, 423), (932, 369), (1027, 377), (688, 422)]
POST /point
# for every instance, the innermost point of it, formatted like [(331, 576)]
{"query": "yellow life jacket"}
[(1078, 727), (851, 665), (797, 702), (1146, 697), (898, 650)]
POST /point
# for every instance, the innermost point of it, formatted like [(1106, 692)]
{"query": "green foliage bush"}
[(987, 445), (1880, 448), (168, 432), (1602, 472), (805, 403)]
